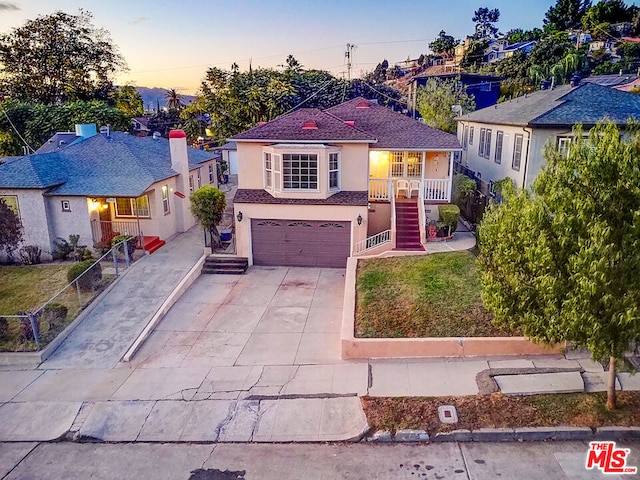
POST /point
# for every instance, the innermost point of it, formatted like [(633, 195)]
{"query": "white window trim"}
[(65, 205), (268, 172), (134, 208), (487, 143), (191, 183), (338, 169), (516, 153), (199, 179), (318, 162), (211, 177), (166, 207)]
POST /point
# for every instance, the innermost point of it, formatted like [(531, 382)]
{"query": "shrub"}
[(53, 314), (90, 279), (26, 331), (4, 329), (463, 187), (30, 255), (449, 215), (61, 248), (131, 243)]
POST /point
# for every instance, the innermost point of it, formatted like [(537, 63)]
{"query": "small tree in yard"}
[(562, 264), (10, 228), (436, 101), (208, 205)]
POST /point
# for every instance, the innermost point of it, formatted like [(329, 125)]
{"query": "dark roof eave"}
[(272, 140)]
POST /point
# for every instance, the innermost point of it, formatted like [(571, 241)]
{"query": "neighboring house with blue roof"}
[(507, 140), (102, 185)]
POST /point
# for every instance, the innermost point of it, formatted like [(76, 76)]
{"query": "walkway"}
[(110, 328)]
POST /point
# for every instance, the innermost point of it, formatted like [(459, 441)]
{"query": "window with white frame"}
[(12, 202), (165, 199), (465, 137), (487, 144), (414, 164), (133, 207), (499, 141), (397, 164), (470, 135), (300, 171), (199, 179), (191, 183), (483, 134), (334, 171), (65, 205), (268, 170), (563, 145), (517, 152), (210, 173)]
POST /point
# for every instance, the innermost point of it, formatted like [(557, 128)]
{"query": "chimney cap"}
[(177, 134)]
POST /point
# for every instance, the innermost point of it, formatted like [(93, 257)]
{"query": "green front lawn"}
[(26, 288), (435, 295)]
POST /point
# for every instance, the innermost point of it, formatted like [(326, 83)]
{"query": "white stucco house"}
[(99, 185), (317, 186), (507, 140)]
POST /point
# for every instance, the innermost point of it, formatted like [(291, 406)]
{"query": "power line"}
[(325, 85), (29, 147)]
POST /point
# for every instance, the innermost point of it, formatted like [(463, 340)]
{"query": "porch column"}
[(451, 154)]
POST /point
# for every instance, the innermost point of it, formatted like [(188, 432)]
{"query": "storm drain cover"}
[(447, 414)]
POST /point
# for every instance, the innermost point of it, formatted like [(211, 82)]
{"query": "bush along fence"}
[(33, 330)]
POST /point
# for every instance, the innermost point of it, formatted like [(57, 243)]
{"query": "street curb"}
[(525, 434)]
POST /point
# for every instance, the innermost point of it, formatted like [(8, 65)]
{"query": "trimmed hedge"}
[(449, 215), (88, 281)]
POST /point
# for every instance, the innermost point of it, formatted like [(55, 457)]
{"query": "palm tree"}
[(174, 100)]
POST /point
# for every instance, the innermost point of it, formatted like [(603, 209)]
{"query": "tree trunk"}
[(611, 384)]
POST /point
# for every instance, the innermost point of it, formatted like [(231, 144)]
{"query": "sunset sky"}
[(170, 44)]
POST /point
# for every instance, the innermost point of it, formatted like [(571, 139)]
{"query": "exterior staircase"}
[(407, 227), (225, 265), (151, 244)]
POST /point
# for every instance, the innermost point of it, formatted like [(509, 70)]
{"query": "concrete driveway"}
[(272, 331)]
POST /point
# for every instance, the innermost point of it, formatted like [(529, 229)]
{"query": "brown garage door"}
[(300, 243)]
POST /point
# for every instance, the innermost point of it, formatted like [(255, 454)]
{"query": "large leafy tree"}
[(485, 21), (58, 57), (37, 122), (444, 44), (606, 12), (438, 99), (128, 101), (10, 228), (566, 14), (562, 263)]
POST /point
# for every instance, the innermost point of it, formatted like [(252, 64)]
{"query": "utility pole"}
[(349, 56)]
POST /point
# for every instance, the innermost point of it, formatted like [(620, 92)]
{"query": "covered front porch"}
[(410, 174), (404, 190)]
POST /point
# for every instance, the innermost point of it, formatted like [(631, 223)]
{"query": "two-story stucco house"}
[(317, 186), (507, 140), (99, 185)]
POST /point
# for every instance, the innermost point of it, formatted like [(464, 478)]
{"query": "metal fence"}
[(34, 329)]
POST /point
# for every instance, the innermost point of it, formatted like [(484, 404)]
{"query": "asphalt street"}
[(463, 461)]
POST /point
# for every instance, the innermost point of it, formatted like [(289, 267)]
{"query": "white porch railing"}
[(422, 215), (379, 189), (437, 189), (373, 241)]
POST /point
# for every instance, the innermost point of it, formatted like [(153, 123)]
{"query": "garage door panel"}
[(300, 242)]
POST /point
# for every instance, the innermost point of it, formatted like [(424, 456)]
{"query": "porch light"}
[(359, 219), (239, 216)]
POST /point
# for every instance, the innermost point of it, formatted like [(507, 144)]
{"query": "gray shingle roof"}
[(290, 128), (393, 130), (120, 165), (563, 106), (611, 80)]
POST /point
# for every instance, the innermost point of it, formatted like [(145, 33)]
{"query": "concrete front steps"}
[(407, 227), (151, 244), (225, 265)]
